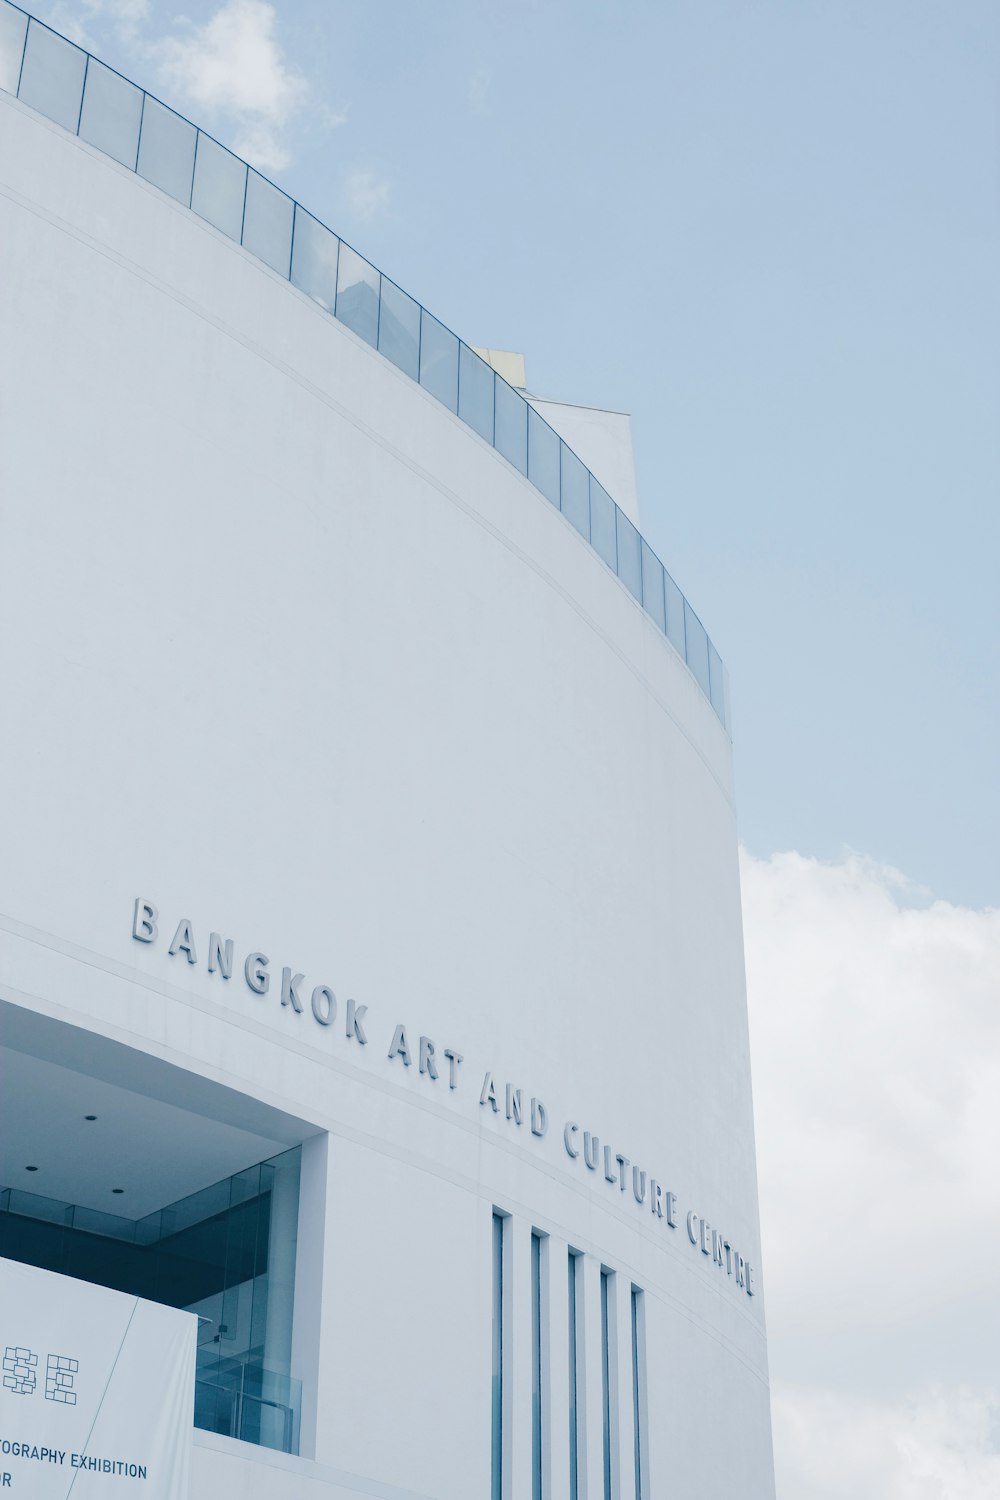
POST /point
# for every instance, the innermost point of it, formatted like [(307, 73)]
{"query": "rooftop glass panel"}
[(267, 223), (603, 529), (438, 360), (629, 558), (475, 392), (399, 329), (13, 29), (543, 456), (511, 418), (358, 294), (166, 150), (574, 490), (314, 259), (112, 111), (52, 76), (220, 185)]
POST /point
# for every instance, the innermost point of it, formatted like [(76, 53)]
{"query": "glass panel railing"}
[(166, 150), (358, 294), (220, 186), (314, 259), (475, 392), (675, 614), (697, 648), (267, 224), (652, 585), (112, 114), (399, 329), (242, 1399), (603, 531), (543, 457), (13, 30), (52, 76), (511, 425), (438, 360), (63, 82), (574, 480), (629, 555)]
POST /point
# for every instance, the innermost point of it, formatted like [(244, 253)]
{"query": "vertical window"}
[(496, 1490), (608, 1379), (574, 1430), (536, 1366), (639, 1393)]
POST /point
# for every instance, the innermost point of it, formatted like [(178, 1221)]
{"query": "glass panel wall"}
[(226, 1253)]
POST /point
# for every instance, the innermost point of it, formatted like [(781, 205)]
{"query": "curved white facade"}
[(290, 653)]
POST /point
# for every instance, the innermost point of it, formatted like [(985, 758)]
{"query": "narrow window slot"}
[(574, 1420), (498, 1310), (608, 1384), (639, 1393), (536, 1366)]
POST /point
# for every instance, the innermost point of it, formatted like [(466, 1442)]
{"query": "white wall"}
[(288, 650)]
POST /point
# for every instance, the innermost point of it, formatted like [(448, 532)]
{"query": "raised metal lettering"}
[(220, 955), (399, 1046), (144, 921), (183, 942), (290, 990)]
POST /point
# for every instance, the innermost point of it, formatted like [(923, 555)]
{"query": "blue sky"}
[(771, 232)]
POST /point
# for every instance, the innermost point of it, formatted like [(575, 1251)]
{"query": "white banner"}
[(97, 1396)]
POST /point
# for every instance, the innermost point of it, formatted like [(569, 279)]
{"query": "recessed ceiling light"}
[(90, 1117), (118, 1190), (31, 1169)]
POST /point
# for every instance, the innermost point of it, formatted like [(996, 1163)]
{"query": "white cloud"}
[(366, 194), (941, 1447), (876, 1043), (233, 67)]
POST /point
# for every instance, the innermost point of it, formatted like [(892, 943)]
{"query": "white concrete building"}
[(371, 970)]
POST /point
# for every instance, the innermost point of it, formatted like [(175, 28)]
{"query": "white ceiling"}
[(167, 1135)]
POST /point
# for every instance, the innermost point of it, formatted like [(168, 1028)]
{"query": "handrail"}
[(75, 89)]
